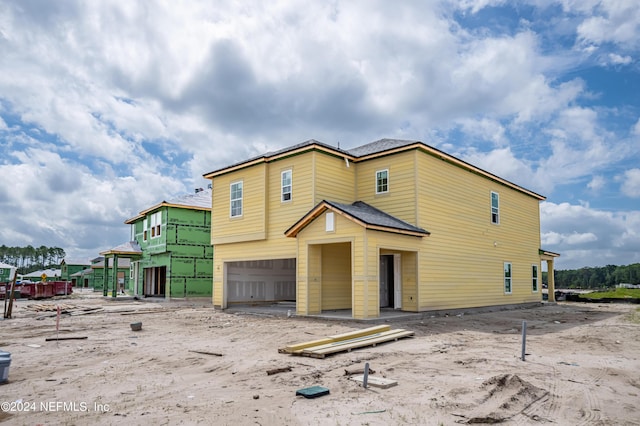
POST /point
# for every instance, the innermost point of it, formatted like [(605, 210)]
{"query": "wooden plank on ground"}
[(378, 382), (338, 337), (347, 346)]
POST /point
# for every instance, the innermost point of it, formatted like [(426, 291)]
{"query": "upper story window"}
[(156, 221), (495, 208), (236, 199), (286, 185), (144, 230), (382, 181), (534, 278), (507, 277)]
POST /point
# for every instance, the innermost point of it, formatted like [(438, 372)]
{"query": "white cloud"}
[(597, 183), (631, 183), (619, 60), (616, 21), (589, 237)]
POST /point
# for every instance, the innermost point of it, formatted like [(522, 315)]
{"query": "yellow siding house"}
[(394, 224)]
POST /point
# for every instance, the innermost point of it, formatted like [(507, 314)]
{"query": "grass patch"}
[(618, 293)]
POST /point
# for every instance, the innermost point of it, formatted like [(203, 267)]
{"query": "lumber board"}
[(296, 348), (378, 382), (347, 346), (383, 334)]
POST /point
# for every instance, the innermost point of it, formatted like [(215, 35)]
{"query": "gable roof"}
[(309, 145), (128, 248), (361, 213), (200, 200), (369, 151)]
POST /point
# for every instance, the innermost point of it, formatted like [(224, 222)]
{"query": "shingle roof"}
[(310, 142), (130, 247), (201, 198), (373, 216), (380, 146), (361, 212)]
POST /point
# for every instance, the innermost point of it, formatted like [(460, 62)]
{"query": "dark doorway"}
[(155, 280), (386, 281)]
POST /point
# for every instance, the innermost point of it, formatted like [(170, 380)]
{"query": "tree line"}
[(28, 259), (597, 277)]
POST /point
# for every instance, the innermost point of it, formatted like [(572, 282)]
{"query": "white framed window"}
[(507, 277), (144, 230), (286, 185), (534, 278), (236, 199), (156, 221), (382, 181), (495, 208)]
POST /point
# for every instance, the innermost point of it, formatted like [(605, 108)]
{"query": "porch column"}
[(115, 276), (551, 287), (105, 274)]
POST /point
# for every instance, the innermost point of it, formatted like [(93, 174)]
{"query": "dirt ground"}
[(191, 364)]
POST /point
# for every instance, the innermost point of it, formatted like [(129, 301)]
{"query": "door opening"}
[(387, 289)]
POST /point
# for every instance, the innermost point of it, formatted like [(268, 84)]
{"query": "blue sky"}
[(107, 108)]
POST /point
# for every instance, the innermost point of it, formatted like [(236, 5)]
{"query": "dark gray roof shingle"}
[(373, 216), (379, 146)]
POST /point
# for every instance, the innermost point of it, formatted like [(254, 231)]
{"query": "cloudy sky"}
[(108, 107)]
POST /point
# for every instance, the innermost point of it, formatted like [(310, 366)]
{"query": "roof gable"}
[(361, 213)]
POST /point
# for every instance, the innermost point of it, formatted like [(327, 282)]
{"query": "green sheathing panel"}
[(96, 279), (184, 248), (188, 238), (4, 275)]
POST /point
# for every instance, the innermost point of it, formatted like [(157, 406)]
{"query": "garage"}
[(261, 281)]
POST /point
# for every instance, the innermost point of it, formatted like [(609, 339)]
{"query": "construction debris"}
[(358, 370), (378, 382), (53, 339), (278, 370), (346, 342)]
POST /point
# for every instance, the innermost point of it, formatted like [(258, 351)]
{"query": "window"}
[(156, 220), (286, 185), (236, 199), (382, 181), (495, 208), (507, 277), (144, 228), (534, 278)]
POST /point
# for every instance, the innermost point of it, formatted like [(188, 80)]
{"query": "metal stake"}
[(524, 339), (365, 378)]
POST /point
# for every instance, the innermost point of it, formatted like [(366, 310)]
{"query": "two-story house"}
[(392, 224), (69, 269), (175, 257)]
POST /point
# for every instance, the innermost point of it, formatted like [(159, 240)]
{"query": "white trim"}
[(505, 278), (387, 183), (282, 186), (231, 199), (497, 209)]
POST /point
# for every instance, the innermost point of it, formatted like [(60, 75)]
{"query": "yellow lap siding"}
[(462, 263)]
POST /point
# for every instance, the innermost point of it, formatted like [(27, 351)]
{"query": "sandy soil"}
[(582, 367)]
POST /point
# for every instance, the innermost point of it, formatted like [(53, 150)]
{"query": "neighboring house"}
[(82, 278), (392, 224), (69, 267), (96, 279), (6, 274), (174, 238), (36, 276)]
